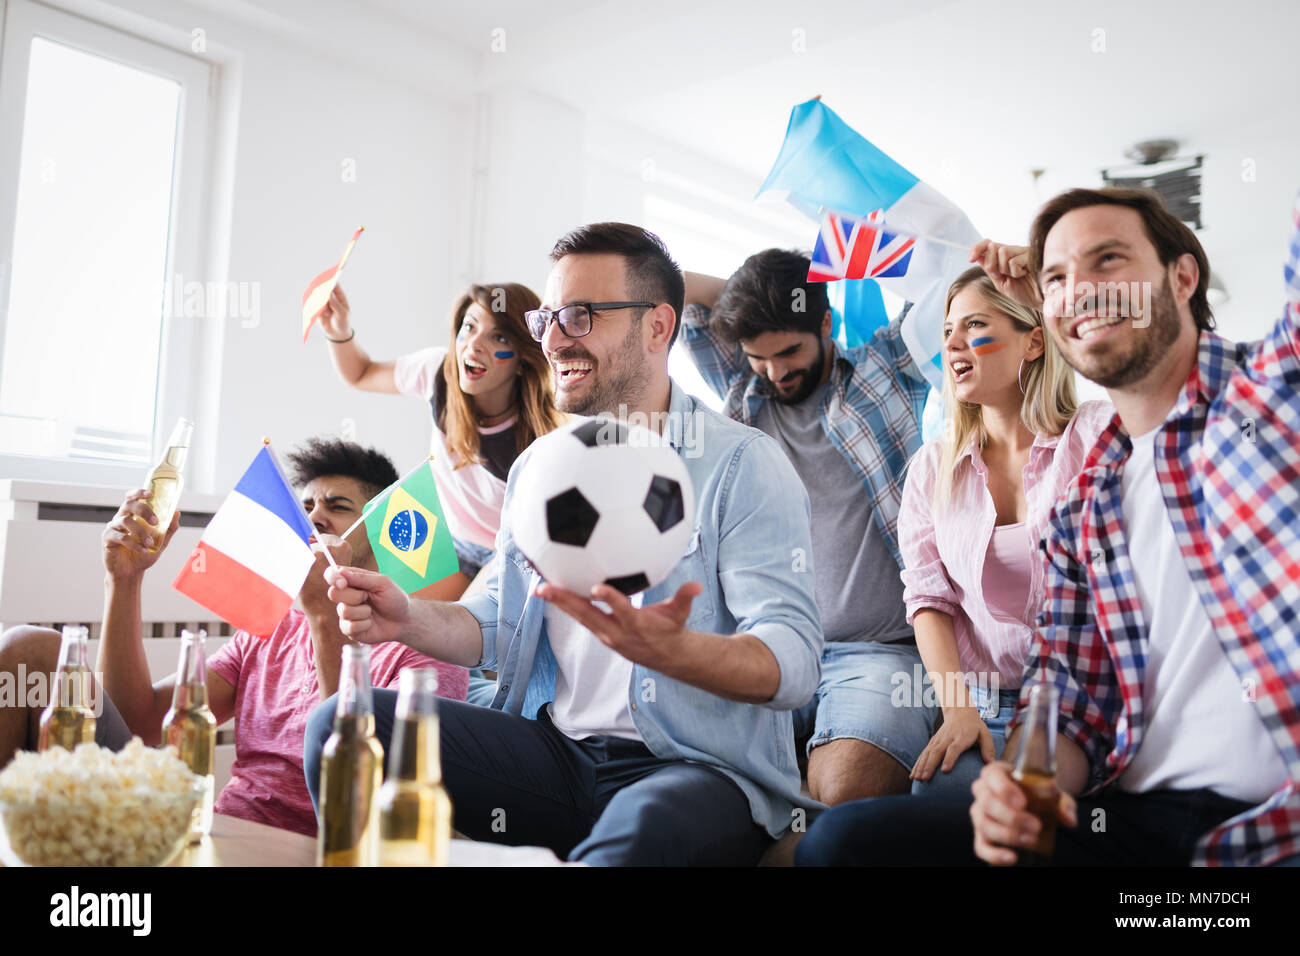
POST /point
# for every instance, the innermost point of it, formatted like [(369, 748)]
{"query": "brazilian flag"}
[(409, 535)]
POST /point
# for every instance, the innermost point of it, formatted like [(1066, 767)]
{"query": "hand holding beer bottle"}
[(1020, 805), (126, 551)]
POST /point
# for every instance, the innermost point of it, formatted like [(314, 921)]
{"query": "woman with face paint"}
[(975, 505), (489, 395)]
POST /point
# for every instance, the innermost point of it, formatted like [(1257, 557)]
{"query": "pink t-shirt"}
[(472, 497), (275, 690), (944, 553)]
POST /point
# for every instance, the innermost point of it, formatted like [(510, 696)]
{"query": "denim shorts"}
[(868, 692), (473, 557), (997, 713)]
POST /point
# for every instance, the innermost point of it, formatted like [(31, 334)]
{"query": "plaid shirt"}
[(1228, 459), (871, 413)]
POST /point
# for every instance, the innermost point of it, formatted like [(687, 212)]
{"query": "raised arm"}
[(354, 366), (122, 661), (721, 364)]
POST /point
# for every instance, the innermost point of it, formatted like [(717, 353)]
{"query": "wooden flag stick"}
[(379, 497)]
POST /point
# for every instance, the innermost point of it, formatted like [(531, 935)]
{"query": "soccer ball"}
[(600, 501)]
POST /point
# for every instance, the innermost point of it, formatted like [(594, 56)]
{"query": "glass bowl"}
[(148, 829)]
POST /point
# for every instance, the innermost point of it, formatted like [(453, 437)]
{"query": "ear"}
[(1036, 345), (828, 321), (1185, 278), (658, 326)]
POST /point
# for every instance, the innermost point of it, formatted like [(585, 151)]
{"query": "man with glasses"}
[(650, 730)]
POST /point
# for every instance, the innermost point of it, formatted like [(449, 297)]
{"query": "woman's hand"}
[(962, 729), (334, 320), (1010, 269)]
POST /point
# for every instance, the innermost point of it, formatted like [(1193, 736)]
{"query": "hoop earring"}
[(1019, 372)]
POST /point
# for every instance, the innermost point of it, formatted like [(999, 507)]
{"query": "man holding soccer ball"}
[(625, 731)]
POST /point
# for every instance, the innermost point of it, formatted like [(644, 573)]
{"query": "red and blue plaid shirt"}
[(1228, 459)]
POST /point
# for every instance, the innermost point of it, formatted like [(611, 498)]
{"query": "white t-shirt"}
[(472, 497), (1201, 728), (592, 682)]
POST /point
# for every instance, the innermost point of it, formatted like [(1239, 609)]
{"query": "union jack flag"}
[(849, 248)]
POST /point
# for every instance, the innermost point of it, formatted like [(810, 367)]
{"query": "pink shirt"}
[(472, 497), (275, 690), (944, 554)]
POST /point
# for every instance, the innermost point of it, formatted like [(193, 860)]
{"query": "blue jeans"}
[(604, 801), (997, 715), (1160, 828)]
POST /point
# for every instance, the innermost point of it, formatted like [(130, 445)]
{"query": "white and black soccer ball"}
[(600, 501)]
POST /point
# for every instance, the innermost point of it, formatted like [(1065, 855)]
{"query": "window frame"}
[(181, 376)]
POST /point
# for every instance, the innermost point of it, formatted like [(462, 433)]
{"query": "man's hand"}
[(372, 609), (999, 816), (649, 636), (314, 594), (962, 729), (1010, 269), (127, 541), (334, 320)]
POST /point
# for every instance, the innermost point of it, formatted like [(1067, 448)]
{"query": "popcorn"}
[(93, 807)]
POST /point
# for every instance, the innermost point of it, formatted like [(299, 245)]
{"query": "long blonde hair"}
[(1049, 397)]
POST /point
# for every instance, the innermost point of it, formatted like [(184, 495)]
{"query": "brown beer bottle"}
[(1035, 772)]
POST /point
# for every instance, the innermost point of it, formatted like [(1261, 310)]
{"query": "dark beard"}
[(809, 379), (626, 378), (1117, 370)]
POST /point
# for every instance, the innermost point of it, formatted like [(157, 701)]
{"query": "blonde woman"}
[(975, 505)]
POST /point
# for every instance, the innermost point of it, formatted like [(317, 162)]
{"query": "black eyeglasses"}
[(574, 318)]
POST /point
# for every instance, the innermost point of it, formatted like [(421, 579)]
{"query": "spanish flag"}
[(409, 534), (318, 293)]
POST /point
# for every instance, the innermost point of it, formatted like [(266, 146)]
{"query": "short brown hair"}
[(651, 272), (1167, 233)]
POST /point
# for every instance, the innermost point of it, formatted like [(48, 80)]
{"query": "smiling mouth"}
[(573, 370), (1094, 326), (473, 370), (960, 369)]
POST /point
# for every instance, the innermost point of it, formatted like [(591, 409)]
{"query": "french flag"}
[(253, 556)]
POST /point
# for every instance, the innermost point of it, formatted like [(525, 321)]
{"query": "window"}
[(106, 134), (711, 232)]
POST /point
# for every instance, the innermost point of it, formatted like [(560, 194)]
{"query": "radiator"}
[(52, 574)]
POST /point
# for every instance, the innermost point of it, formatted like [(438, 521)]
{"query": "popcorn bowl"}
[(96, 808)]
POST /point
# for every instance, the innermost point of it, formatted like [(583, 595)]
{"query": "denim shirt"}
[(751, 549)]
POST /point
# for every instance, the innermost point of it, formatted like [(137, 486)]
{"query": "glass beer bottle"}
[(69, 719), (165, 480), (414, 810), (1035, 771), (351, 768), (190, 726)]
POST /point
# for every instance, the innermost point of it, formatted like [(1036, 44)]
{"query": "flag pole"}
[(376, 501)]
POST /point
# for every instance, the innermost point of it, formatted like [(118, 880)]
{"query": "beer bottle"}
[(1035, 771), (415, 812), (69, 719), (190, 727), (351, 767), (166, 479)]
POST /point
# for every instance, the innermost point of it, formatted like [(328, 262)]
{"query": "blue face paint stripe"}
[(982, 340), (503, 355)]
